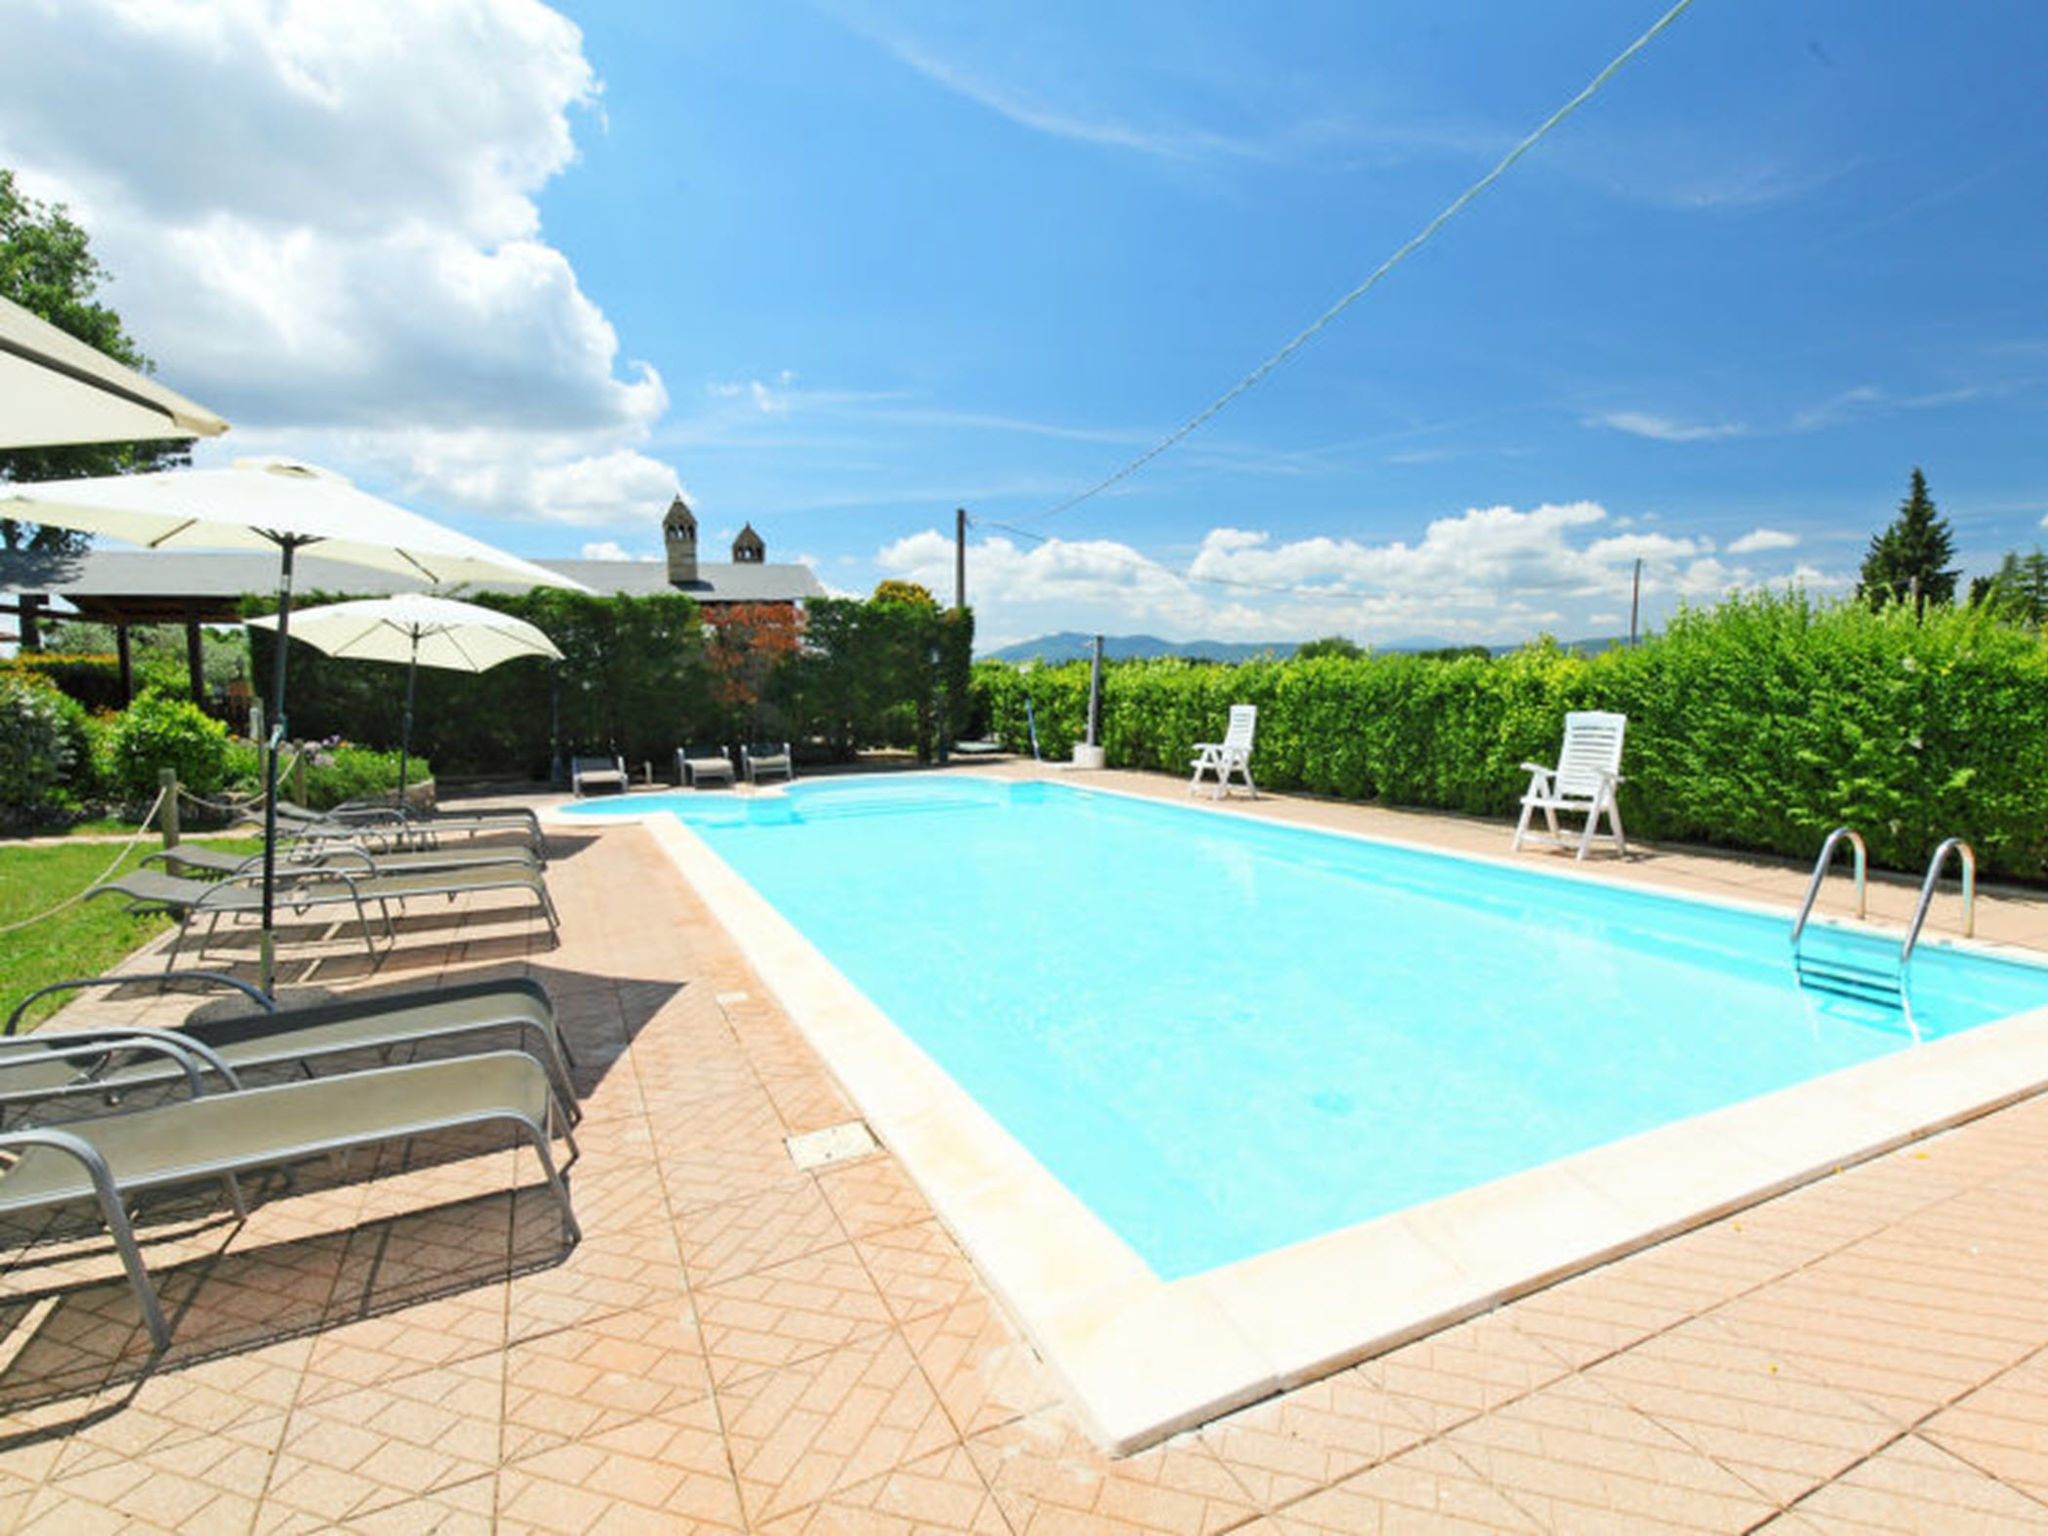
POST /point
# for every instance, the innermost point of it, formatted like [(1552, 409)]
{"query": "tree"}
[(48, 269), (1909, 561), (1329, 645), (2017, 591)]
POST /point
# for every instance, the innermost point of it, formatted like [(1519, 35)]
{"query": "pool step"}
[(1866, 983)]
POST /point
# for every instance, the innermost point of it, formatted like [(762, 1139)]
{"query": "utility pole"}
[(1635, 602), (960, 557)]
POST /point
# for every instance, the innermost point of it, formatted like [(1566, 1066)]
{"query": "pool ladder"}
[(1871, 983)]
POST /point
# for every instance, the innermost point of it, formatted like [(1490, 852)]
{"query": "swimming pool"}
[(1236, 1046)]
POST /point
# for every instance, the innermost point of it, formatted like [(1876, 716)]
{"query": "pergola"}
[(127, 587)]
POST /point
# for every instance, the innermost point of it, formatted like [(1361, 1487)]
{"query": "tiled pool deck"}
[(740, 1344)]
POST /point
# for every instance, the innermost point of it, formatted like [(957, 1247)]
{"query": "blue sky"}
[(838, 268)]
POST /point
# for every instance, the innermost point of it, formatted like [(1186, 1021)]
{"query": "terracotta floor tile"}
[(1778, 1430), (778, 1317), (630, 1471), (982, 1369), (871, 1195), (940, 1493), (1915, 1486), (829, 1421), (918, 1268), (1315, 1436), (1047, 1477), (584, 1381), (2001, 1428), (767, 1228), (1424, 1490), (1573, 1457)]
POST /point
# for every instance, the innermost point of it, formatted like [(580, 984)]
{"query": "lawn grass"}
[(83, 939)]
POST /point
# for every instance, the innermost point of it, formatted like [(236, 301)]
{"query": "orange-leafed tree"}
[(745, 643)]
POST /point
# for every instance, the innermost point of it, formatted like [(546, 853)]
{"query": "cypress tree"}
[(1909, 561)]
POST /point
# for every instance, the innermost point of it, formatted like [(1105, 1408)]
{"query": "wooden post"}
[(31, 625), (167, 778), (195, 659), (127, 659)]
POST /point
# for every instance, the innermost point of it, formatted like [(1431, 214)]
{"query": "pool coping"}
[(1142, 1358)]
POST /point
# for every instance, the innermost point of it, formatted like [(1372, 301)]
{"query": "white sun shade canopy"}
[(268, 504), (56, 390), (434, 631)]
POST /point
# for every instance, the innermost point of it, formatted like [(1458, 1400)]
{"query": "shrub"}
[(1760, 724), (37, 750), (334, 771), (157, 732)]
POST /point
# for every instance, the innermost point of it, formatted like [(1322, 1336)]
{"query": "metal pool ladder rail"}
[(1962, 849), (1829, 973), (1868, 982)]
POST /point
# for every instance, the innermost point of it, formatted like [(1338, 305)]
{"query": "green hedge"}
[(1758, 724)]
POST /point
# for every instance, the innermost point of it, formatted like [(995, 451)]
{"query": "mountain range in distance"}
[(1068, 645)]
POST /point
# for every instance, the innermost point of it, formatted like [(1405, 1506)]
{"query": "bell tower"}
[(679, 534), (748, 548)]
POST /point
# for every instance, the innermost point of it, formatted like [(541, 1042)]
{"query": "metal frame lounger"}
[(584, 771), (767, 758), (296, 1034), (215, 862), (114, 1158), (696, 765), (301, 889), (409, 829)]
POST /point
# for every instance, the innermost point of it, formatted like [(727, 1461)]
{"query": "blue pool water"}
[(1225, 1036)]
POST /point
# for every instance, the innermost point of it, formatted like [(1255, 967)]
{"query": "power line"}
[(1414, 243)]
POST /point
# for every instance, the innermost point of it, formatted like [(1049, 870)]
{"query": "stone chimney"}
[(748, 549), (679, 533)]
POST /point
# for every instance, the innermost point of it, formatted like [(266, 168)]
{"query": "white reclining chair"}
[(1583, 783), (1231, 755)]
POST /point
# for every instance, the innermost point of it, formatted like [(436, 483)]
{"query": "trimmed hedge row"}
[(1758, 724)]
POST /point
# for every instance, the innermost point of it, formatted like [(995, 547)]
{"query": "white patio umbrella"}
[(419, 631), (271, 504), (56, 389)]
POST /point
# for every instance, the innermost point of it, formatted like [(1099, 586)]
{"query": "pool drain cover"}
[(834, 1144)]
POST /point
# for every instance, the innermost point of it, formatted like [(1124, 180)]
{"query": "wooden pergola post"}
[(195, 657)]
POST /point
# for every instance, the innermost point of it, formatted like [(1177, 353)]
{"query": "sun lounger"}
[(699, 766), (589, 772), (299, 889), (214, 863), (296, 1034), (767, 761), (111, 1159), (388, 828)]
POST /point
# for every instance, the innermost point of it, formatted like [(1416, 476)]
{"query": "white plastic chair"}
[(1583, 783), (1231, 755)]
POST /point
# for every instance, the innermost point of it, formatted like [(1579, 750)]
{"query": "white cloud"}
[(1663, 429), (322, 221), (1491, 574), (608, 550), (1757, 540)]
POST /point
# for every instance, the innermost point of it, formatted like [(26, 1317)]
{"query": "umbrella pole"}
[(267, 943), (412, 671)]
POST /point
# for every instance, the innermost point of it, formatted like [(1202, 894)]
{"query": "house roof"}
[(141, 586)]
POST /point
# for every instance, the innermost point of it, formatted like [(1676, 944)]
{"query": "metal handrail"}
[(1820, 869), (1969, 858)]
